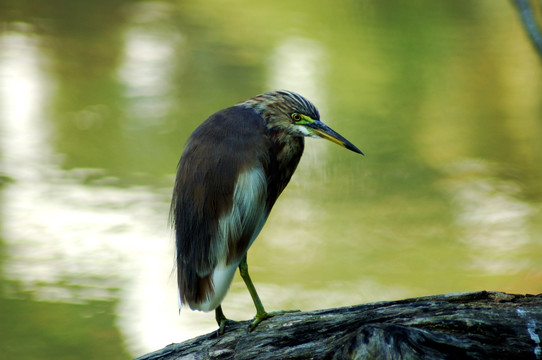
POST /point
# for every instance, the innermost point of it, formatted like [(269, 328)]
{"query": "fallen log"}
[(477, 325)]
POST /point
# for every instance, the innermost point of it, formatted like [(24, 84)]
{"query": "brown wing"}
[(227, 144)]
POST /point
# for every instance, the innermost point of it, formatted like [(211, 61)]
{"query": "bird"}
[(233, 168)]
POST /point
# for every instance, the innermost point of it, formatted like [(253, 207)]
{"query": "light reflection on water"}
[(148, 66), (72, 243), (490, 213)]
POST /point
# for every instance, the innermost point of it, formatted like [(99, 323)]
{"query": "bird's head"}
[(292, 114)]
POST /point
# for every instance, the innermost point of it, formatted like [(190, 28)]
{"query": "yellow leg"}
[(221, 319), (261, 314)]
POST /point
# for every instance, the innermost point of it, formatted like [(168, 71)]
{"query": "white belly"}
[(222, 278)]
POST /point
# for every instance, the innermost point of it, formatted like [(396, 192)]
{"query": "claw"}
[(258, 319), (221, 320), (266, 315), (222, 326)]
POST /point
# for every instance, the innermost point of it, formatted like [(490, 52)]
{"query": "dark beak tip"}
[(355, 149), (359, 152)]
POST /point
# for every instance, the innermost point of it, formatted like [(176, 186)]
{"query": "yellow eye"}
[(296, 117)]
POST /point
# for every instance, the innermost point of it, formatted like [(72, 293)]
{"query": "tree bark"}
[(478, 325)]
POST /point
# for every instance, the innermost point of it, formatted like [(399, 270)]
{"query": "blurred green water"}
[(97, 99)]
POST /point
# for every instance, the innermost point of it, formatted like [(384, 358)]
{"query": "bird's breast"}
[(285, 155)]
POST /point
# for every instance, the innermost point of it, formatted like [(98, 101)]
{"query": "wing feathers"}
[(218, 205), (248, 213)]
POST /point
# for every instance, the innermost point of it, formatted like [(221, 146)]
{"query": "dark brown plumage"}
[(234, 167)]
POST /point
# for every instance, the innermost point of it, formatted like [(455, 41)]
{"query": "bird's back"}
[(225, 187)]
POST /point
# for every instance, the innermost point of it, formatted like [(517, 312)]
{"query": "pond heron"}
[(232, 170)]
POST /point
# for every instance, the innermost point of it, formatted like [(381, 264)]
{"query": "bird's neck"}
[(288, 150)]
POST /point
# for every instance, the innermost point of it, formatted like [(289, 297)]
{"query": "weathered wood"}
[(478, 325)]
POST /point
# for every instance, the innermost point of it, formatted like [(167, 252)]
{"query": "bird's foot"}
[(222, 320), (266, 315), (222, 325)]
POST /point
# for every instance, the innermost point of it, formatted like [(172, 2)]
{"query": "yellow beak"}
[(320, 129)]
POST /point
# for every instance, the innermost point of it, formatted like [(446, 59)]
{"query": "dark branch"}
[(480, 325)]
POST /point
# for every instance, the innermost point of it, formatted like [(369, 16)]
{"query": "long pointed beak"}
[(320, 129)]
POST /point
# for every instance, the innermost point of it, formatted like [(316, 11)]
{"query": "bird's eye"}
[(296, 117)]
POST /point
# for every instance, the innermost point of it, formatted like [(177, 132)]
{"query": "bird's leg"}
[(221, 319), (261, 314)]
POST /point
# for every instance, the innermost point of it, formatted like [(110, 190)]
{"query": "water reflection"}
[(24, 90), (303, 73), (150, 59), (97, 99), (72, 243), (493, 218)]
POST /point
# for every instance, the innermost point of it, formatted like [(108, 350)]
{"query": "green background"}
[(97, 100)]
